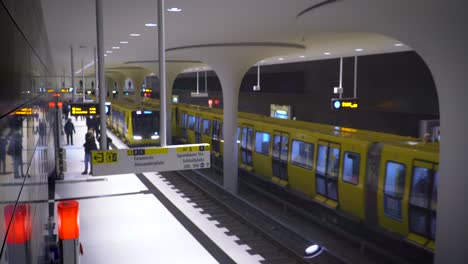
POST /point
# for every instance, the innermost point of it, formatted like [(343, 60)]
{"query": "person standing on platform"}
[(3, 145), (89, 145), (69, 130), (15, 149)]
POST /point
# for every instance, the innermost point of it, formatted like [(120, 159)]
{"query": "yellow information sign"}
[(105, 157), (192, 148), (84, 109), (25, 111)]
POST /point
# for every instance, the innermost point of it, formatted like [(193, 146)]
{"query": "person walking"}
[(69, 129), (89, 145), (3, 146)]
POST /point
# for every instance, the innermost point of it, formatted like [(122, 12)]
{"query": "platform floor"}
[(121, 221)]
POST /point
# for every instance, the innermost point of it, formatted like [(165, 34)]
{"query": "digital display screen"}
[(351, 103), (88, 109), (25, 111)]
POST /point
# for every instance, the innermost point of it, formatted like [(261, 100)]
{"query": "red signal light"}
[(216, 101), (68, 219), (60, 104), (20, 228), (51, 104)]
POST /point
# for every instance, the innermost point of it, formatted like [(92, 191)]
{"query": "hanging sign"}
[(340, 103)]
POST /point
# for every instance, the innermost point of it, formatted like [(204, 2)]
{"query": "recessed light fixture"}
[(115, 47), (302, 56), (359, 50), (123, 42), (280, 59), (108, 51), (398, 44), (135, 35), (174, 9), (151, 25), (326, 53), (105, 55)]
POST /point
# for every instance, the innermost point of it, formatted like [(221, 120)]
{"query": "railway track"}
[(266, 237)]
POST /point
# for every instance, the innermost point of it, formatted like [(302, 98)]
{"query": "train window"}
[(198, 124), (191, 122), (333, 162), (351, 167), (184, 120), (262, 143), (216, 128), (434, 192), (206, 126), (244, 138), (394, 179), (302, 154), (418, 221), (276, 146), (393, 189), (284, 148), (322, 159), (420, 187)]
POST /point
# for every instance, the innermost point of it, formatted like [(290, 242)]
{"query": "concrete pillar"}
[(231, 62), (437, 33)]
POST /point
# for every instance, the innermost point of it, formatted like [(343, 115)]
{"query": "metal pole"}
[(355, 76), (162, 72), (198, 90), (83, 80), (96, 89), (101, 77), (341, 75), (258, 75), (72, 74), (206, 84)]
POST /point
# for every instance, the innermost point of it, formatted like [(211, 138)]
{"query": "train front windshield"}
[(145, 124)]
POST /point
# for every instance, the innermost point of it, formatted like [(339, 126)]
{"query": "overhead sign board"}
[(139, 160), (280, 111), (66, 90), (87, 109), (340, 103), (25, 111)]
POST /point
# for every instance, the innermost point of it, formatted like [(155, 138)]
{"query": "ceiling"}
[(73, 23)]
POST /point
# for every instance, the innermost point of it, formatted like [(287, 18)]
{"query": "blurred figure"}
[(69, 129), (108, 141), (89, 145), (42, 133), (3, 146), (427, 138), (15, 149)]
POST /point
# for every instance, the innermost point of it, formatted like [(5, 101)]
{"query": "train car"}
[(135, 124), (383, 181)]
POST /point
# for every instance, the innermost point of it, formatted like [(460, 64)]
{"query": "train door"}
[(327, 171), (423, 203), (183, 127), (351, 184), (246, 146), (279, 157), (191, 129), (198, 129), (206, 130), (216, 136)]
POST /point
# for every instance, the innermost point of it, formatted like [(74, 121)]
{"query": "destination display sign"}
[(87, 109), (84, 109), (139, 160), (340, 103), (25, 111)]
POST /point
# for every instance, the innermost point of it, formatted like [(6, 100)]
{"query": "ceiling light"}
[(105, 55), (151, 25), (174, 9), (327, 53), (115, 47), (108, 51), (135, 35), (359, 49), (302, 56), (280, 59), (123, 42), (398, 44)]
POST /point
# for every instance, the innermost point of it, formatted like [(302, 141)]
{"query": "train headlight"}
[(137, 137), (312, 251), (154, 137)]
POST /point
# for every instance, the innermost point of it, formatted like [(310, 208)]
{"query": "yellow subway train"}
[(382, 181), (385, 181)]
